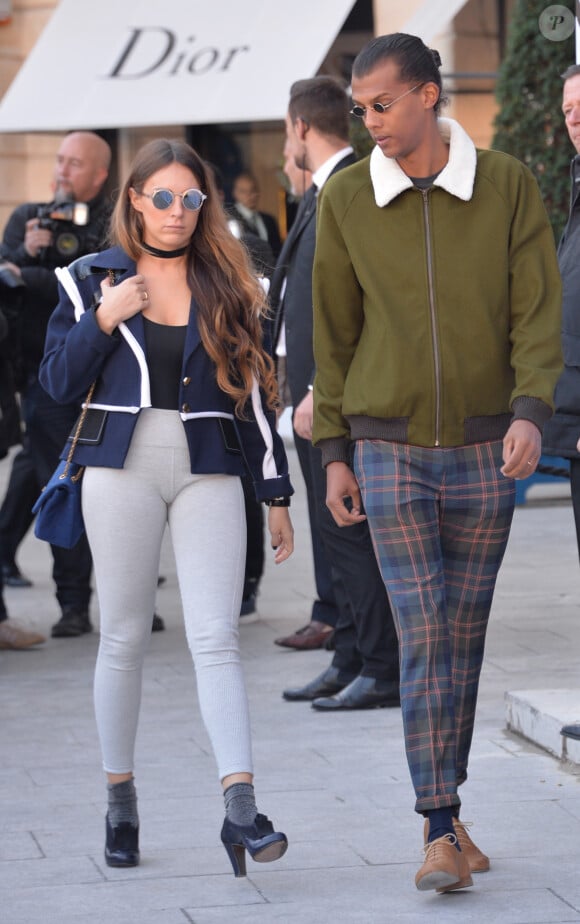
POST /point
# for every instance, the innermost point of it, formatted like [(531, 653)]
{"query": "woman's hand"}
[(120, 302), (281, 533)]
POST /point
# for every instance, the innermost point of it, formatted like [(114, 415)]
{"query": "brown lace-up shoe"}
[(478, 862), (445, 868), (314, 635)]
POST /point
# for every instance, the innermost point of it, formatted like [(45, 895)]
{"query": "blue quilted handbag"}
[(59, 516)]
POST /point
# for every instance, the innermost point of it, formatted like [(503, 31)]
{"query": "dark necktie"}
[(305, 209), (253, 224), (309, 202)]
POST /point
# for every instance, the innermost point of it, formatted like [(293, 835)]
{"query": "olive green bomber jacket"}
[(436, 313)]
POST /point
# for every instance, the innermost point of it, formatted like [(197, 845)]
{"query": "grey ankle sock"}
[(240, 803), (122, 803)]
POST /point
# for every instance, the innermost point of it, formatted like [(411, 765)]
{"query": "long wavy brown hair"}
[(230, 300)]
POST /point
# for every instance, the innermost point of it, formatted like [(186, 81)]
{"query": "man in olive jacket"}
[(436, 340)]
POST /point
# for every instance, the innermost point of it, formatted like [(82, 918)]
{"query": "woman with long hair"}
[(167, 325)]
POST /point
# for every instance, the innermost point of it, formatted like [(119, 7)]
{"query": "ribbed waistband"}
[(396, 429)]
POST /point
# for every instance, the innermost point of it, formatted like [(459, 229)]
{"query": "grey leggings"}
[(126, 511)]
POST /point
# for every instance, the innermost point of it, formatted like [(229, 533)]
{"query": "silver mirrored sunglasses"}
[(192, 199)]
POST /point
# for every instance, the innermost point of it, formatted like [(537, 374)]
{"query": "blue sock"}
[(440, 823)]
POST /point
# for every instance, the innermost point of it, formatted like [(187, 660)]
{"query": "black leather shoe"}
[(327, 683), (13, 577), (571, 731), (248, 610), (259, 839), (122, 845), (157, 625), (362, 693), (73, 622)]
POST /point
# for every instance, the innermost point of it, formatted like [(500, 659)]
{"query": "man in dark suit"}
[(246, 193), (351, 595)]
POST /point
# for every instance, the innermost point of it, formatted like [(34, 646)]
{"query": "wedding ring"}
[(530, 463), (145, 296)]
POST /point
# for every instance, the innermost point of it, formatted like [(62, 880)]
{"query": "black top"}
[(164, 344), (424, 182)]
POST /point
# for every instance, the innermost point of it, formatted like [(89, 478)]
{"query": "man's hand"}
[(522, 447), (341, 483), (10, 274), (11, 267), (36, 238), (303, 415)]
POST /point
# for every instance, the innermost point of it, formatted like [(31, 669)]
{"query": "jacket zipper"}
[(433, 315)]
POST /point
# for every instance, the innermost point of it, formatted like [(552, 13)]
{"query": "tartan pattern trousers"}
[(439, 521)]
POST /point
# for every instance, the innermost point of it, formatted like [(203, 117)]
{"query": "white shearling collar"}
[(456, 178)]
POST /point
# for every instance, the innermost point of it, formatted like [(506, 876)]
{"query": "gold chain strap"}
[(75, 439), (82, 417)]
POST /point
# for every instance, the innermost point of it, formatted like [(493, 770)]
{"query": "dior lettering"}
[(154, 48)]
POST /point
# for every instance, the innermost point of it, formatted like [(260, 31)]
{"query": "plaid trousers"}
[(439, 521)]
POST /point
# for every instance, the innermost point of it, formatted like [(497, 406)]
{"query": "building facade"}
[(470, 44)]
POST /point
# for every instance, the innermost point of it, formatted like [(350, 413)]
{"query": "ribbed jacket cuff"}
[(533, 409), (334, 450)]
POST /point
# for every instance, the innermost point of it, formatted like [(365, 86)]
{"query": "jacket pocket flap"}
[(571, 348)]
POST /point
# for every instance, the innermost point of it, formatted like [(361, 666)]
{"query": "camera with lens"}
[(65, 220)]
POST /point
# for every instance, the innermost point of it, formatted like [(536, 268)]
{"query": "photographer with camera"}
[(39, 237), (11, 635)]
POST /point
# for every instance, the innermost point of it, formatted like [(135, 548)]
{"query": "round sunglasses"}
[(361, 111), (192, 199)]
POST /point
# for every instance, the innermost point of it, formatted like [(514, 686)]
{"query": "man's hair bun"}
[(436, 57)]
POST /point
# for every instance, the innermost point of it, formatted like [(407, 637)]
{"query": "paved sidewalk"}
[(337, 784)]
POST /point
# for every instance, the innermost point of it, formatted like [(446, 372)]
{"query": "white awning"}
[(432, 18), (121, 63)]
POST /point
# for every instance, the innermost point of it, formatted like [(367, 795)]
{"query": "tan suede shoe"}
[(14, 637), (478, 862), (445, 868)]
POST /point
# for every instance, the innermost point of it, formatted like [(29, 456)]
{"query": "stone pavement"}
[(338, 785)]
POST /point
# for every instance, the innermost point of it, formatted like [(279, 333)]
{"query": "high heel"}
[(122, 844), (259, 839)]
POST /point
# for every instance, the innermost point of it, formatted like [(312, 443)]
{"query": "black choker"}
[(164, 254)]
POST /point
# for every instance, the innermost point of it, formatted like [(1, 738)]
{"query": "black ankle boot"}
[(259, 839), (122, 845)]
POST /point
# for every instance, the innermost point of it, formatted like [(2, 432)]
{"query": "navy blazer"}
[(78, 352)]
